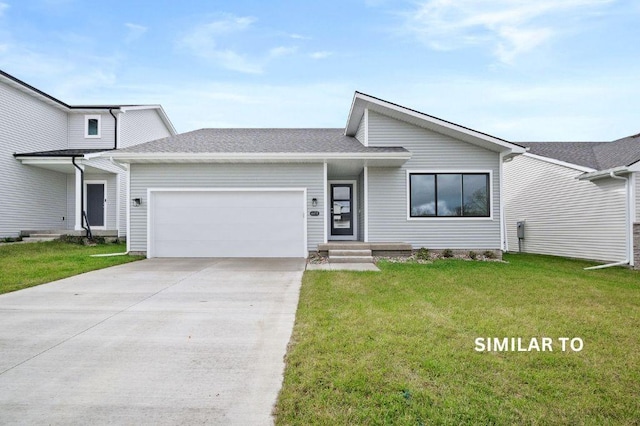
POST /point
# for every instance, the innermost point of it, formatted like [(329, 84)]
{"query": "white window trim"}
[(449, 218), (86, 126)]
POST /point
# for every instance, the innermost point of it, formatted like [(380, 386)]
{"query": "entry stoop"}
[(37, 238), (365, 249), (350, 256)]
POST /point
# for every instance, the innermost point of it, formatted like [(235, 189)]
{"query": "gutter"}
[(115, 130), (260, 156), (82, 221), (627, 219)]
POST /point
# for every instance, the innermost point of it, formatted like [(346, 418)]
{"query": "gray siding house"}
[(50, 166), (391, 175), (577, 199)]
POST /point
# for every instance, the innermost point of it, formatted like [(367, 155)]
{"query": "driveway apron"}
[(159, 341)]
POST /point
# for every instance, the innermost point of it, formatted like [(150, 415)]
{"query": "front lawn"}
[(398, 347), (26, 265)]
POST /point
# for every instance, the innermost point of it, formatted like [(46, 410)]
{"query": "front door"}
[(342, 210), (95, 202)]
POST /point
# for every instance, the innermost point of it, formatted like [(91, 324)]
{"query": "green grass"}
[(26, 265), (397, 347)]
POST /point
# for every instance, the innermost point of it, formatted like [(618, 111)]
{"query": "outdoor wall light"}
[(314, 202), (136, 202)]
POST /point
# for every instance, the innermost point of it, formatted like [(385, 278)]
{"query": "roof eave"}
[(132, 157), (600, 174)]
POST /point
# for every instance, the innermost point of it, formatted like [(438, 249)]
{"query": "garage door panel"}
[(227, 224), (199, 199), (206, 232)]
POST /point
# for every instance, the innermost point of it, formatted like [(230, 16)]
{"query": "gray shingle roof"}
[(61, 153), (595, 155), (259, 141)]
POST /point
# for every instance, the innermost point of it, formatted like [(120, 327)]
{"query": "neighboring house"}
[(392, 175), (50, 168), (577, 199)]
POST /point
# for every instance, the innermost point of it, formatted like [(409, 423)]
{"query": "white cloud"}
[(3, 7), (320, 55), (282, 51), (299, 37), (203, 41), (509, 27), (134, 31)]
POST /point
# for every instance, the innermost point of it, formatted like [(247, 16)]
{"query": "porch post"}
[(78, 224)]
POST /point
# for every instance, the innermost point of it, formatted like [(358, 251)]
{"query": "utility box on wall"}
[(520, 226)]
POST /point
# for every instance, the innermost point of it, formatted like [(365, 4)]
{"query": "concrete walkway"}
[(160, 341)]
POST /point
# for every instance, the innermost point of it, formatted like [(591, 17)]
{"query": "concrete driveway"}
[(160, 341)]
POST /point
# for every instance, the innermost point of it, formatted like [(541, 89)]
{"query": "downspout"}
[(115, 129), (73, 161), (627, 219)]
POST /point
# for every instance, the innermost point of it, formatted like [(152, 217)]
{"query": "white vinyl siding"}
[(388, 204), (30, 197), (564, 216), (77, 126), (139, 126), (145, 176)]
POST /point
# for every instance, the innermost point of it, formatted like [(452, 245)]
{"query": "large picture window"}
[(449, 195)]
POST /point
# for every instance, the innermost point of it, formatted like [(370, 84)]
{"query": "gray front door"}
[(95, 204)]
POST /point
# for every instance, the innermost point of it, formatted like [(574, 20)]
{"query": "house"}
[(576, 199), (392, 175), (50, 164)]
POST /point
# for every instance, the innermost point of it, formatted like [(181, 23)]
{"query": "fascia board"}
[(123, 156)]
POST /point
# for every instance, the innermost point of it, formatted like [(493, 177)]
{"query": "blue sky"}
[(520, 70)]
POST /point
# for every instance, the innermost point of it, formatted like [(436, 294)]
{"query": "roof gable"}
[(362, 101), (18, 84)]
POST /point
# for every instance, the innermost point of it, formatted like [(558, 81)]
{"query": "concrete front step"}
[(351, 259), (38, 239), (377, 249), (333, 253), (45, 236)]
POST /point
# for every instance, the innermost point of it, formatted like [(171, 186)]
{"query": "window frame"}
[(88, 117), (457, 172)]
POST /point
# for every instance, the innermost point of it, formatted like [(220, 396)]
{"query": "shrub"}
[(447, 253), (423, 254), (489, 254), (473, 255)]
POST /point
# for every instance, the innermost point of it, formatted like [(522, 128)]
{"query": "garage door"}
[(227, 223)]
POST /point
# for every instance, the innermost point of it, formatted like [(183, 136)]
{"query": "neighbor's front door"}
[(341, 209), (95, 204)]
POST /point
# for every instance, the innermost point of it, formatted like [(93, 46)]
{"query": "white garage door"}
[(218, 223)]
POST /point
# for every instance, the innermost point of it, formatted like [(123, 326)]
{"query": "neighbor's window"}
[(449, 195), (91, 126)]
